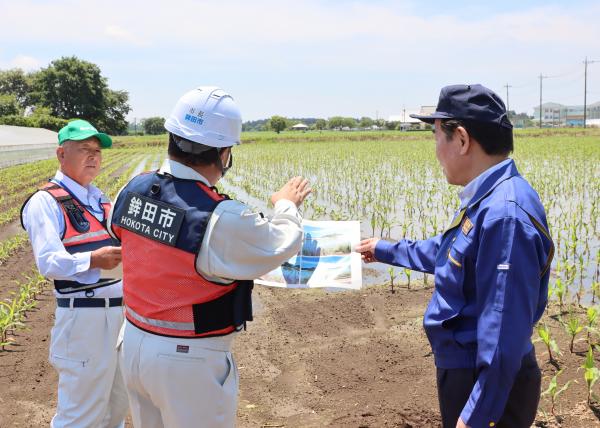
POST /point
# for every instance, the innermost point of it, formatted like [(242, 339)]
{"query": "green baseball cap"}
[(78, 130)]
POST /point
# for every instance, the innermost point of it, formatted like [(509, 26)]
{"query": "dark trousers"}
[(455, 386)]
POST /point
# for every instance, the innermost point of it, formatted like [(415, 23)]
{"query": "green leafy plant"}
[(573, 327), (553, 391), (392, 274), (546, 338), (591, 374), (592, 318), (407, 272)]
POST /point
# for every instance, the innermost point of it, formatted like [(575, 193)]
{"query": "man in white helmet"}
[(189, 257)]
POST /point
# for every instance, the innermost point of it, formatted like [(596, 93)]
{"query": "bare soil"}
[(310, 359)]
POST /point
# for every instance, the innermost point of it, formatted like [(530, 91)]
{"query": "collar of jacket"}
[(490, 183)]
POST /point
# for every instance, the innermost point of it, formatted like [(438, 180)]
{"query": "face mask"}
[(226, 168)]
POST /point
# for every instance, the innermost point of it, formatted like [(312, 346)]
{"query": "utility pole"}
[(507, 103), (586, 62), (542, 77)]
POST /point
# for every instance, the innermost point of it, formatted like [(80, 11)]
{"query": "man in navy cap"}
[(491, 268)]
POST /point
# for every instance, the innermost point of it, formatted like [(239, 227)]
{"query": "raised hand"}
[(295, 190)]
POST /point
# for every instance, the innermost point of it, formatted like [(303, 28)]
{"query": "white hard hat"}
[(206, 115)]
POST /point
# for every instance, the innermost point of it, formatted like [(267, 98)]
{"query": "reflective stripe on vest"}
[(172, 325), (85, 236)]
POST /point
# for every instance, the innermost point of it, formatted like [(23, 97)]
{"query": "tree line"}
[(281, 123), (68, 88)]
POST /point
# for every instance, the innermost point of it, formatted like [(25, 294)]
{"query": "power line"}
[(507, 103), (542, 77), (586, 62)]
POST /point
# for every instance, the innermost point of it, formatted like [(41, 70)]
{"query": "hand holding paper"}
[(367, 249)]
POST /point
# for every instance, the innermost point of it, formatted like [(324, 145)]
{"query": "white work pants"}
[(91, 391), (179, 383)]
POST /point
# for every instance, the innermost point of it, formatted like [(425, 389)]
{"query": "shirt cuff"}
[(476, 419), (386, 251), (82, 261), (284, 205)]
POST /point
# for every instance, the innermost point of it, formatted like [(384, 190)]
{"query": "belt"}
[(89, 302)]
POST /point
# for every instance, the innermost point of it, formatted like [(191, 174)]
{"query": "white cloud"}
[(24, 62), (231, 26), (325, 41)]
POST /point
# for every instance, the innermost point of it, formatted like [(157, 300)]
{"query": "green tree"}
[(336, 122), (366, 122), (320, 124), (380, 122), (9, 105), (114, 119), (339, 122), (392, 125), (73, 88), (278, 123), (15, 82), (154, 125), (350, 122)]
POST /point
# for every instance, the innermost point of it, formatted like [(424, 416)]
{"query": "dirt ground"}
[(310, 359)]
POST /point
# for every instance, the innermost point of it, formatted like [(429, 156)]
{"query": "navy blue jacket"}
[(491, 269)]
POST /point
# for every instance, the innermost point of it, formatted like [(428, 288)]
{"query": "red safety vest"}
[(83, 232), (163, 293)]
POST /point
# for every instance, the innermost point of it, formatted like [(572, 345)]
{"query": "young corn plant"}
[(595, 290), (591, 374), (10, 319), (546, 338), (407, 272), (573, 327), (592, 318), (560, 289), (392, 274), (554, 391)]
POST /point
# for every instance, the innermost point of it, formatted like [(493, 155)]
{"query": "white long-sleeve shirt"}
[(44, 221), (239, 243)]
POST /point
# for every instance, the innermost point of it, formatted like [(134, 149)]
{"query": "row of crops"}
[(396, 188)]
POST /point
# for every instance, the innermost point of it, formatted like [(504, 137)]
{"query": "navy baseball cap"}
[(469, 102)]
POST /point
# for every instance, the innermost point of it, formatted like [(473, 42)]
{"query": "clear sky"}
[(314, 58)]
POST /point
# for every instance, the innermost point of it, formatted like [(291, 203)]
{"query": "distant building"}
[(593, 123), (407, 122), (554, 114), (299, 127)]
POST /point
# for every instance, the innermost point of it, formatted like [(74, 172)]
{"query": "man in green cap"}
[(66, 223)]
